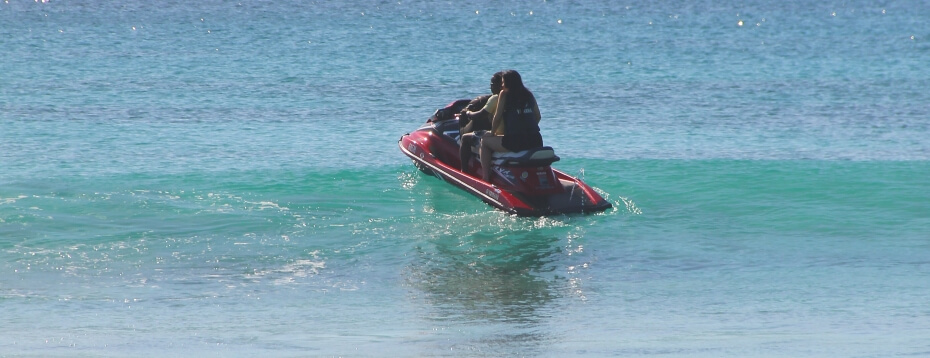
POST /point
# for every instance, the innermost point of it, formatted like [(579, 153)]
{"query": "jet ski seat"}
[(535, 157)]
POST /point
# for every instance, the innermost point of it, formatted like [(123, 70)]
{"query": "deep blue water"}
[(222, 179)]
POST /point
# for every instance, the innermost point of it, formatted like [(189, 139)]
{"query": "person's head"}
[(512, 80), (516, 92), (496, 82)]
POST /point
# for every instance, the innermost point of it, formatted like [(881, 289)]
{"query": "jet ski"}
[(522, 183)]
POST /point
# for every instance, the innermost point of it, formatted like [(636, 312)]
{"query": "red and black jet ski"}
[(522, 183)]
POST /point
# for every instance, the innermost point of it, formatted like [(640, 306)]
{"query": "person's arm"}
[(536, 109), (471, 114), (499, 113), (485, 110)]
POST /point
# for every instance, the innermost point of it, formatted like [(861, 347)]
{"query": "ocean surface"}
[(222, 178)]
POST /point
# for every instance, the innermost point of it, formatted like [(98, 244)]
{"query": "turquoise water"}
[(223, 179)]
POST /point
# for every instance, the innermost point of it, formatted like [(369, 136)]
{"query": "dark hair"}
[(517, 94), (497, 77)]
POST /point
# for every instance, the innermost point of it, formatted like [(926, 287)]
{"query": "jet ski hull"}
[(434, 150)]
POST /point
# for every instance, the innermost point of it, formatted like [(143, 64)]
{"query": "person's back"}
[(515, 123), (520, 126)]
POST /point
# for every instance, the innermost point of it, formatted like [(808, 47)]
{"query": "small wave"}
[(11, 200), (292, 272)]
